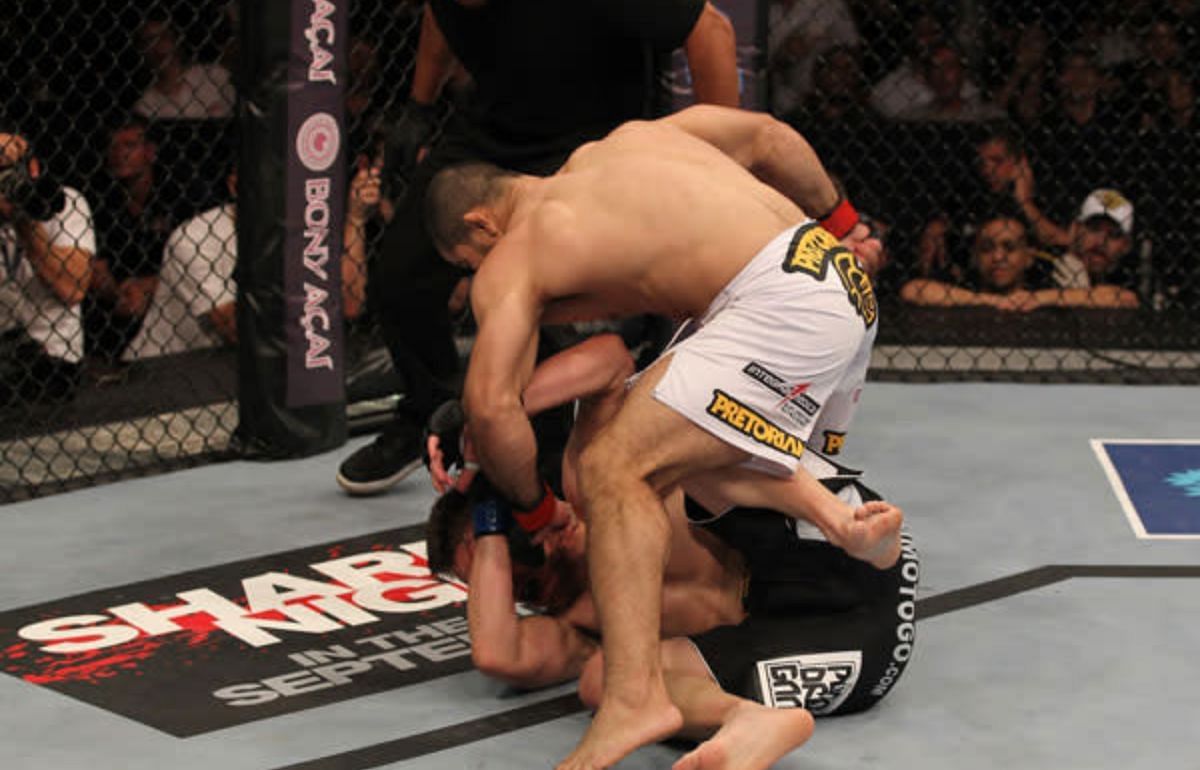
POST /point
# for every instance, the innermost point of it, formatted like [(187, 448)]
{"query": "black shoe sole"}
[(375, 486)]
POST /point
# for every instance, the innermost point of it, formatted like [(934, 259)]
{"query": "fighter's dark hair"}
[(453, 192), (449, 522)]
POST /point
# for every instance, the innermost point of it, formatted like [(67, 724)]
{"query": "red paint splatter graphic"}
[(198, 635)]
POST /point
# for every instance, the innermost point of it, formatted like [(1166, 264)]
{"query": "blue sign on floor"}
[(1157, 482)]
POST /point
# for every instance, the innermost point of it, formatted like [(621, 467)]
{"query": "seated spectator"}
[(139, 209), (180, 89), (949, 100), (838, 109), (800, 30), (944, 241), (1024, 66), (194, 304), (1081, 138), (1004, 269), (839, 96), (47, 244), (1092, 272), (905, 87)]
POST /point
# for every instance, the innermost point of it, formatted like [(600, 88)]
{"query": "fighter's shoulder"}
[(636, 130), (554, 226)]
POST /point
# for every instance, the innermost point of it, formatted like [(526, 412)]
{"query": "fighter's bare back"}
[(602, 239)]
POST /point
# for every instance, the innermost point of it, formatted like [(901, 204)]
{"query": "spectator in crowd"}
[(1082, 138), (1101, 28), (1168, 141), (1021, 92), (1093, 271), (194, 304), (139, 209), (906, 88), (950, 100), (47, 245), (836, 109), (1180, 104), (799, 32), (1002, 265), (1000, 160), (548, 76), (179, 88), (838, 104)]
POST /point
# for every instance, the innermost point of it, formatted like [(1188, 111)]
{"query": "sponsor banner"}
[(315, 181), (906, 617), (818, 682), (1157, 483), (225, 645), (795, 403), (813, 249), (748, 422)]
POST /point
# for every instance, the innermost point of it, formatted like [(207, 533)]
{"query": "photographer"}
[(46, 248)]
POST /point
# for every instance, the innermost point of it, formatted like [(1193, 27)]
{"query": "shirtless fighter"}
[(700, 215)]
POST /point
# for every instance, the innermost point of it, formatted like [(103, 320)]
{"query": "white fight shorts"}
[(780, 356)]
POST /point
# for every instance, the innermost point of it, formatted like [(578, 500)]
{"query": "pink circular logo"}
[(317, 141)]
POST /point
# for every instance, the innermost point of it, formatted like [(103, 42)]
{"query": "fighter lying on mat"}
[(757, 612)]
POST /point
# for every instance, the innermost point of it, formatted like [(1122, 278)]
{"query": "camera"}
[(39, 199)]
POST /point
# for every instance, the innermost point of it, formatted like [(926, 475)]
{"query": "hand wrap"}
[(492, 516), (541, 514), (841, 219)]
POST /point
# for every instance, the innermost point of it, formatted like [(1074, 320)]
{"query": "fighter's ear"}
[(481, 221)]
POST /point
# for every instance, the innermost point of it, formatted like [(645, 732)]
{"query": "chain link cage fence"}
[(1030, 166)]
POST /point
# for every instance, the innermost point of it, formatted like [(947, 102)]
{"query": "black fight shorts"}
[(824, 631)]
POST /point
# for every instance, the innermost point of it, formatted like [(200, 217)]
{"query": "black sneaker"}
[(383, 463)]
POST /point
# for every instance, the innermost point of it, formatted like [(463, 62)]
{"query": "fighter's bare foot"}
[(874, 534), (752, 738), (616, 731)]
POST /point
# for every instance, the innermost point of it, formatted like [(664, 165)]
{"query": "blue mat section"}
[(1158, 483)]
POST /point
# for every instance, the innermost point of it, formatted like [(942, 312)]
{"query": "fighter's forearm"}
[(507, 447), (770, 149), (596, 365), (525, 652), (434, 61), (491, 615), (786, 161), (711, 51)]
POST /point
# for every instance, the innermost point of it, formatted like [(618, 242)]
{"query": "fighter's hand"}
[(564, 517), (865, 245), (458, 477)]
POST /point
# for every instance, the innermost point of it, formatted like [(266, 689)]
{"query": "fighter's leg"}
[(870, 532), (644, 449)]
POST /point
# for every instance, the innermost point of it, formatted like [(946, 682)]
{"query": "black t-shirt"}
[(133, 246), (547, 71)]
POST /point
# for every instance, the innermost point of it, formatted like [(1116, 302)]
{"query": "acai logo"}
[(1188, 481)]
